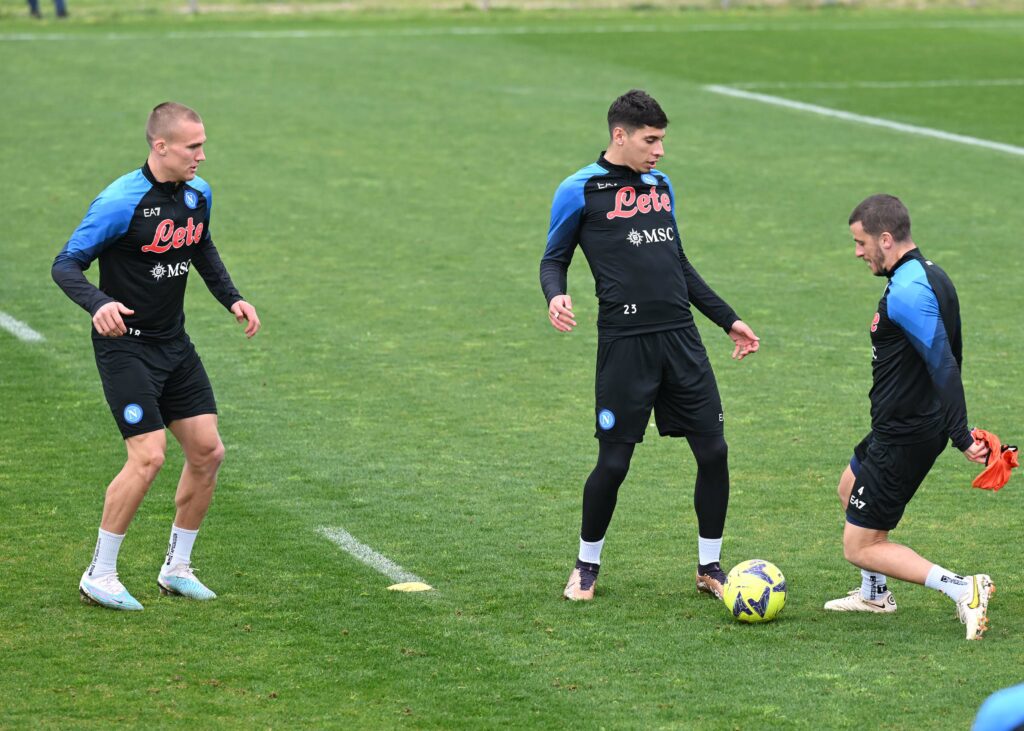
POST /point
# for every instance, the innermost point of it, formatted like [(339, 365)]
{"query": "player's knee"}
[(849, 552), (713, 452), (614, 467), (217, 454), (208, 456), (614, 470), (853, 550), (147, 462)]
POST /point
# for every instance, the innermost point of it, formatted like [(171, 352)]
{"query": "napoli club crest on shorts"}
[(191, 199), (133, 413), (605, 419)]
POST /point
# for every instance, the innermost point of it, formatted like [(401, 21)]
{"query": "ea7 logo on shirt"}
[(628, 203), (167, 236), (651, 236), (169, 270)]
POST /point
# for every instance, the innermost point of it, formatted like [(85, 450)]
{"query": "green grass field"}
[(383, 186)]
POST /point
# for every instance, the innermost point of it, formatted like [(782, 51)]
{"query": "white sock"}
[(872, 584), (591, 552), (709, 550), (952, 585), (179, 548), (104, 558)]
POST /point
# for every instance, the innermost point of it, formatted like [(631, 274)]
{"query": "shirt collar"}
[(169, 187)]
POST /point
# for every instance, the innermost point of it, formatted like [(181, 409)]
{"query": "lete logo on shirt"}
[(167, 236), (628, 203)]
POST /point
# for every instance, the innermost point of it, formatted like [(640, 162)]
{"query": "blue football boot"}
[(179, 580), (107, 591)]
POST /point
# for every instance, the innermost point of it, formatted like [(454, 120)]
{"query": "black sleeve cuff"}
[(553, 278), (963, 441)]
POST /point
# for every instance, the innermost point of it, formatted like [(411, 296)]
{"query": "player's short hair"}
[(163, 118), (882, 212), (636, 109)]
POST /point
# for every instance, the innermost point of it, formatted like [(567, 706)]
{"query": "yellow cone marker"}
[(410, 586)]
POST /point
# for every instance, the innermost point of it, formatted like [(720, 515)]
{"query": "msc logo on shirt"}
[(651, 236), (169, 270), (191, 199)]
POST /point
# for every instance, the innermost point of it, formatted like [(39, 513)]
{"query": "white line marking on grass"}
[(19, 329), (924, 84), (469, 31), (376, 561), (874, 121)]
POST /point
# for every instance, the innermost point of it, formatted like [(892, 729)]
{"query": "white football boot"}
[(179, 580), (854, 602), (107, 591), (972, 607)]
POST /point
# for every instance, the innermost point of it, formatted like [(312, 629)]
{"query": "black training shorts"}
[(149, 385), (888, 475), (667, 371)]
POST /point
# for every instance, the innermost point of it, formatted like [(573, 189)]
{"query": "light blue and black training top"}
[(626, 225), (146, 235), (917, 351)]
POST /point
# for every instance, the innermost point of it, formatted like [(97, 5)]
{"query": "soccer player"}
[(148, 229), (621, 211), (917, 405)]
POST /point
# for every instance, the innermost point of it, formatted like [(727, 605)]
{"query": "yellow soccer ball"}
[(755, 591)]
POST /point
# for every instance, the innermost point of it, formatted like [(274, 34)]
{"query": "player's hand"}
[(108, 321), (560, 313), (746, 341), (242, 310), (977, 452)]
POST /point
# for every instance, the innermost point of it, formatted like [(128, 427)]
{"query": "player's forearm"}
[(553, 278), (954, 404), (70, 277), (210, 267), (705, 299)]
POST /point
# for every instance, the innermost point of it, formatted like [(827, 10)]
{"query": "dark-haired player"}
[(148, 229), (917, 406), (621, 211)]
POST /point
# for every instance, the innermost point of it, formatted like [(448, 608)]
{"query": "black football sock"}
[(602, 489), (711, 492)]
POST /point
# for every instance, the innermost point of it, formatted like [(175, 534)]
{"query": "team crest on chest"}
[(191, 199)]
